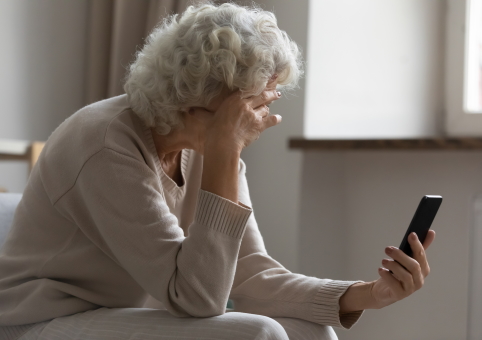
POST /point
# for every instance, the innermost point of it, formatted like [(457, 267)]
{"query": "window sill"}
[(387, 144)]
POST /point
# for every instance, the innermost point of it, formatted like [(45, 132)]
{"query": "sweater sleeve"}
[(263, 286), (118, 202)]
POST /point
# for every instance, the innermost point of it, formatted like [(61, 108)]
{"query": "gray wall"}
[(42, 72), (353, 204), (273, 170), (356, 203)]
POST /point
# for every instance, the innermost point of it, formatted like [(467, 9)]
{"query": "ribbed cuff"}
[(221, 214), (326, 305)]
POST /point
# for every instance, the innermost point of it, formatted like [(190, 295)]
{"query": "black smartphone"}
[(421, 221)]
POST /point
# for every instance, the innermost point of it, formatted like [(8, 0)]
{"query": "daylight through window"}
[(473, 70)]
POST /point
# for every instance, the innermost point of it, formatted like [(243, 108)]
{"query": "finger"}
[(264, 98), (419, 253), (262, 111), (267, 119), (409, 282), (412, 265), (272, 82), (392, 282), (271, 120)]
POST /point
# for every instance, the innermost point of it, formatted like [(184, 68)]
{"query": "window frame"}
[(458, 122)]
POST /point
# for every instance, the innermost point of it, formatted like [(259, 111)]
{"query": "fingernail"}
[(413, 236), (384, 261), (274, 76), (389, 250), (278, 93)]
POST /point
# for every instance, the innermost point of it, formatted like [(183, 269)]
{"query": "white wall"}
[(42, 72), (356, 203), (375, 69), (273, 170)]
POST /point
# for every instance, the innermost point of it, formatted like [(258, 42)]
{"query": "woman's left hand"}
[(408, 274)]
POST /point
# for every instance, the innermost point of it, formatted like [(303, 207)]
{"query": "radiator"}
[(474, 322)]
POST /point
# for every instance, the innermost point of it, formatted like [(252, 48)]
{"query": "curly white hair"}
[(188, 59)]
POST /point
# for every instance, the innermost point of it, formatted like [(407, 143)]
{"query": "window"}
[(375, 69)]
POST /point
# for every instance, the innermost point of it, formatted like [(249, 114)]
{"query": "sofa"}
[(8, 204)]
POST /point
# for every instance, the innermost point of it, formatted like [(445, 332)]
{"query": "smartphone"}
[(421, 221)]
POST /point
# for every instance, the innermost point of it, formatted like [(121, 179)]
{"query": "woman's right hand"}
[(239, 121), (228, 126)]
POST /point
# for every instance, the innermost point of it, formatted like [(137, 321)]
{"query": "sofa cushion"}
[(8, 204)]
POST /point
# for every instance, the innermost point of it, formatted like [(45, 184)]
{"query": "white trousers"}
[(150, 324)]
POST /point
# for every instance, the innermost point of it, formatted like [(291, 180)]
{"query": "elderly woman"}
[(141, 200)]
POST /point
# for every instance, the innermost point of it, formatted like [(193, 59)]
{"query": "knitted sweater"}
[(101, 224)]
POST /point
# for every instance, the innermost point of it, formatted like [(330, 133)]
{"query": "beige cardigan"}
[(101, 224)]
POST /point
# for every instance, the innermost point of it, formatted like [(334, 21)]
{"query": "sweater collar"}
[(168, 183)]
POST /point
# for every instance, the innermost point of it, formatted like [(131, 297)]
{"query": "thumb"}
[(272, 120)]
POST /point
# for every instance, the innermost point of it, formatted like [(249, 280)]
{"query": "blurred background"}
[(375, 70)]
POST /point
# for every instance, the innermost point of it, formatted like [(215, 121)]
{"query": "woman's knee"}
[(258, 327), (298, 329)]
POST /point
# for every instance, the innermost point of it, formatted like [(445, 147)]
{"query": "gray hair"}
[(188, 59)]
